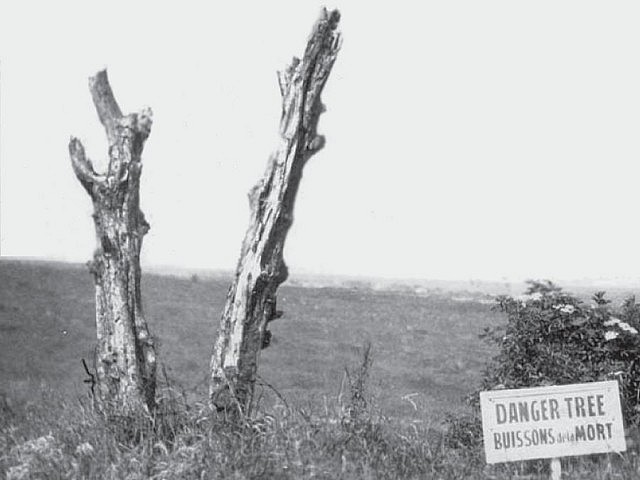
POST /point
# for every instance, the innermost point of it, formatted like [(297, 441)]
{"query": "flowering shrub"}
[(553, 338)]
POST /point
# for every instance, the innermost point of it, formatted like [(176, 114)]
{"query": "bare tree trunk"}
[(125, 355), (251, 301)]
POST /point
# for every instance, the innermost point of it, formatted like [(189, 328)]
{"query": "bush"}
[(554, 338)]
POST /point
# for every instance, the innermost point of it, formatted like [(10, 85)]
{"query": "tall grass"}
[(345, 437)]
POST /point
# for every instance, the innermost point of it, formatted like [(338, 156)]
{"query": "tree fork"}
[(251, 300), (125, 353)]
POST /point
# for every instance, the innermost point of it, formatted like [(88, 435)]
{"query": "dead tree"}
[(125, 355), (251, 301)]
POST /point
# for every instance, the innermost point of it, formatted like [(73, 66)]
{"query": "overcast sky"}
[(465, 139)]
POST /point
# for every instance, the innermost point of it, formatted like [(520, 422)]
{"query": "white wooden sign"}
[(551, 422)]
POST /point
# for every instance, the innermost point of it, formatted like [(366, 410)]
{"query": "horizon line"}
[(301, 274)]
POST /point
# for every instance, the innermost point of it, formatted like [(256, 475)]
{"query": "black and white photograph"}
[(311, 240)]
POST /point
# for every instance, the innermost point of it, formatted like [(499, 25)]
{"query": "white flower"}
[(610, 335), (611, 322), (84, 449), (627, 328), (535, 296), (564, 308)]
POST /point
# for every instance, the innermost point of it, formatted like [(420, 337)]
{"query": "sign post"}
[(556, 469), (552, 422)]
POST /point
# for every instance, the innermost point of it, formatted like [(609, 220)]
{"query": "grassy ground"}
[(426, 354), (425, 347)]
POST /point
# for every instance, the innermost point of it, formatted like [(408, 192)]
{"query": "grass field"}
[(426, 352), (423, 346)]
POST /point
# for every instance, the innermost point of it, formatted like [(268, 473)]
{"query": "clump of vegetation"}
[(554, 338), (346, 437)]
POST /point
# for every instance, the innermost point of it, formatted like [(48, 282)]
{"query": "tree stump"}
[(125, 355), (251, 300)]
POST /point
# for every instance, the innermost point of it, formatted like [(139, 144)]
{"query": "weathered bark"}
[(125, 355), (251, 301)]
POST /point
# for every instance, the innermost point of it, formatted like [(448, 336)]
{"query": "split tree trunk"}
[(125, 355), (251, 301)]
